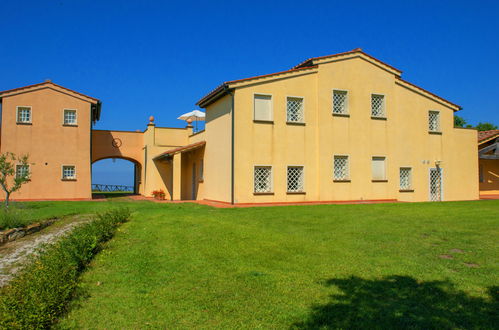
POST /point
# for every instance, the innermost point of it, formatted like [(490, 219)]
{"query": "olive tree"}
[(14, 172)]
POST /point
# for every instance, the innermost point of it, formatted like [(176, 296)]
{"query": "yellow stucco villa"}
[(333, 128)]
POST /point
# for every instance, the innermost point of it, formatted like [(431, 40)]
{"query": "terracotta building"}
[(338, 127)]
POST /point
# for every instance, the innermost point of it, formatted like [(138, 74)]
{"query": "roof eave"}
[(214, 95)]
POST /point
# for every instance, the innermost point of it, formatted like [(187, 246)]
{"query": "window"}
[(378, 106), (22, 171), (434, 121), (378, 169), (340, 105), (263, 107), (480, 173), (201, 170), (69, 117), (295, 179), (340, 171), (68, 172), (405, 178), (263, 179), (24, 114), (294, 110)]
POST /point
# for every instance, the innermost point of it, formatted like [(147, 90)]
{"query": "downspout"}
[(231, 93)]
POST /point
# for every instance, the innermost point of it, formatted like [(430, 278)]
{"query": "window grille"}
[(22, 171), (295, 179), (68, 172), (340, 168), (263, 107), (69, 117), (405, 178), (378, 168), (295, 109), (435, 184), (263, 179), (378, 105), (23, 115), (434, 121), (340, 102)]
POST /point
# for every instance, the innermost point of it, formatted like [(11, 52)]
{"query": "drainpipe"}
[(231, 93)]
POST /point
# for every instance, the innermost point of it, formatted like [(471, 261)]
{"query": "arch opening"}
[(115, 176)]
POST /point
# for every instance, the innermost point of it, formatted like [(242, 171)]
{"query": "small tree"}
[(10, 181)]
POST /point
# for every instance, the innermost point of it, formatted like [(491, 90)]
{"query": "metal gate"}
[(436, 187)]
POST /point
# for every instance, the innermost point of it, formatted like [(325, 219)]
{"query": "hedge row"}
[(40, 293)]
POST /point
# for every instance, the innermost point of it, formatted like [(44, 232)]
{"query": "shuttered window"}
[(263, 107), (378, 168)]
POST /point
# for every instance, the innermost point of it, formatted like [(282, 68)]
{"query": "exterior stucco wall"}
[(49, 143), (217, 155), (277, 144), (402, 138)]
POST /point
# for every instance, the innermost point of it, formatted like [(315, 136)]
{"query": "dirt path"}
[(14, 254)]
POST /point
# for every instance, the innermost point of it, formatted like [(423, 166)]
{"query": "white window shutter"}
[(378, 168), (263, 107)]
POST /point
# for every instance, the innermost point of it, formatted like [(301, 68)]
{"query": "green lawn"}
[(420, 265)]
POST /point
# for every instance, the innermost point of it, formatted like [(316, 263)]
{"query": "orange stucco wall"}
[(49, 143)]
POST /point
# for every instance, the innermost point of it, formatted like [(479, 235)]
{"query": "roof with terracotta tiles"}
[(487, 135), (48, 82), (226, 84), (353, 51), (309, 64)]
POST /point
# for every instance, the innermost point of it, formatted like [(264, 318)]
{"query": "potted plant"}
[(159, 194)]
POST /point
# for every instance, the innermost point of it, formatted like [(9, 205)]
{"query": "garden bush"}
[(39, 294), (12, 218)]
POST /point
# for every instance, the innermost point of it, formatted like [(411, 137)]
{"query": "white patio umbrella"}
[(194, 115)]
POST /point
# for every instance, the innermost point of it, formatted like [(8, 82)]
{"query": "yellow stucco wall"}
[(490, 172), (49, 143), (403, 138), (217, 164)]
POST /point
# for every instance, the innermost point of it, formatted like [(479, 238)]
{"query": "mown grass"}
[(421, 265)]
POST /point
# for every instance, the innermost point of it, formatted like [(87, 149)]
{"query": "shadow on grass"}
[(402, 302)]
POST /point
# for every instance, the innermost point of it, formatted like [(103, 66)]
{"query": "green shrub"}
[(39, 294), (12, 218)]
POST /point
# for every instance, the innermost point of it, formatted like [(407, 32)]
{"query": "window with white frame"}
[(70, 117), (263, 179), (378, 168), (378, 106), (295, 179), (340, 102), (434, 121), (263, 107), (201, 170), (405, 178), (68, 172), (340, 168), (294, 109), (24, 114), (22, 171)]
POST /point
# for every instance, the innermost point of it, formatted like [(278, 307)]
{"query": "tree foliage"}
[(10, 181), (459, 121), (485, 126)]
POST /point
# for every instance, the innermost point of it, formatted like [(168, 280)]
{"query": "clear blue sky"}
[(158, 58)]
